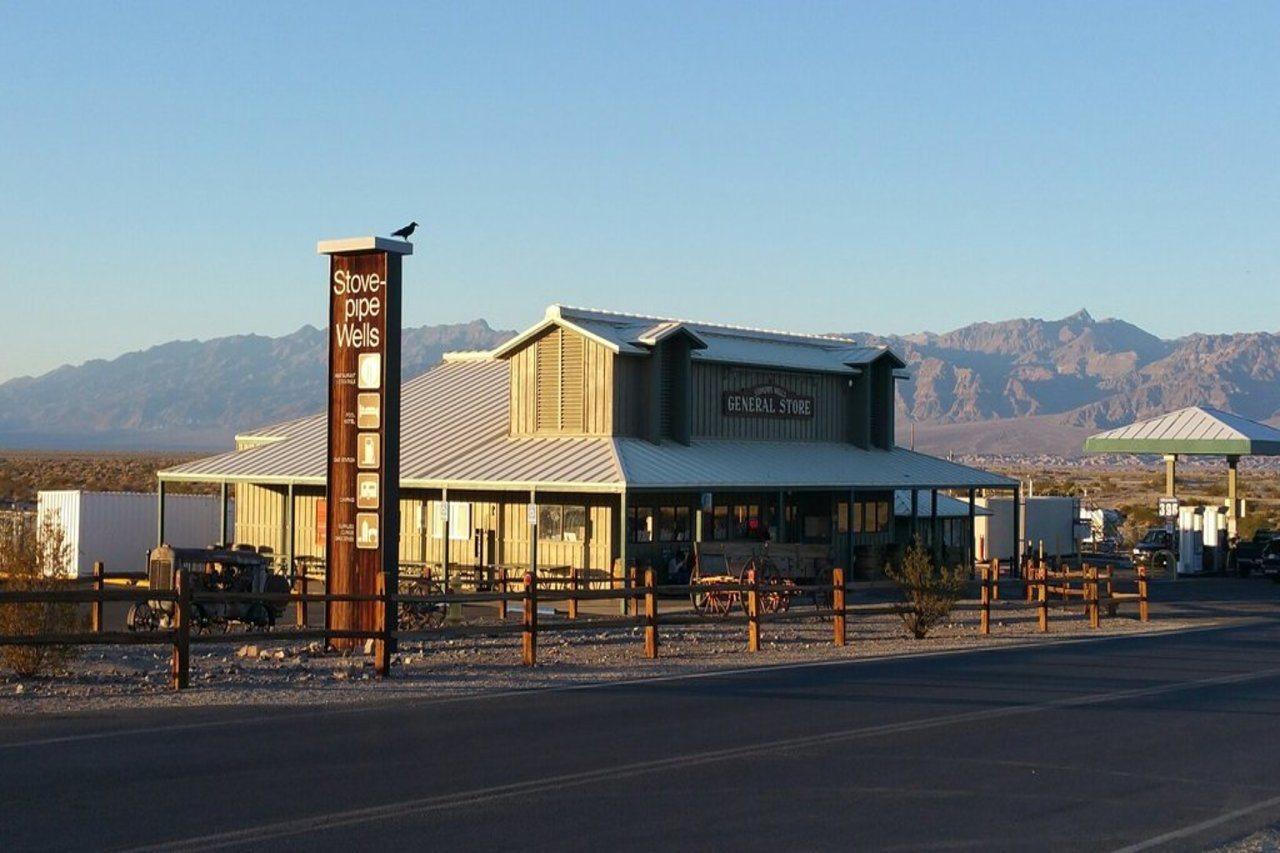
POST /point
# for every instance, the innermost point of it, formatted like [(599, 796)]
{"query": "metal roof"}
[(731, 464), (633, 334), (1196, 430), (454, 432), (948, 507)]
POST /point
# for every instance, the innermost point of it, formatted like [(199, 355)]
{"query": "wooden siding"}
[(830, 394), (631, 389), (562, 384), (260, 520), (260, 516)]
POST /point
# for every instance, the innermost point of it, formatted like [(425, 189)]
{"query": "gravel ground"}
[(1266, 841), (255, 670)]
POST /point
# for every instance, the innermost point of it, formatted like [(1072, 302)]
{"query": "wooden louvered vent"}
[(561, 383), (549, 382), (572, 380)]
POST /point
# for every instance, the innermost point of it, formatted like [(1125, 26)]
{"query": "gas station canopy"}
[(1193, 431)]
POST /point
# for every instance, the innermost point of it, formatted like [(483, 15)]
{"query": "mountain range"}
[(1017, 386)]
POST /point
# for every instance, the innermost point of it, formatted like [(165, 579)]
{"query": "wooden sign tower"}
[(362, 535)]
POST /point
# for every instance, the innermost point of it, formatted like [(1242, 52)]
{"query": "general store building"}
[(634, 439)]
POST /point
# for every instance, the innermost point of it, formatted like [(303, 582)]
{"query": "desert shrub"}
[(30, 559), (929, 591)]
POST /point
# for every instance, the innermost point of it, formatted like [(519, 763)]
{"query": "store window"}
[(562, 523), (575, 523), (666, 523), (459, 520), (871, 516)]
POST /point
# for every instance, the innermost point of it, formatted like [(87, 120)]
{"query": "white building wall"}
[(118, 528), (1047, 519)]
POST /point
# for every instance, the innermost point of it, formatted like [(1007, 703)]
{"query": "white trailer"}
[(1051, 520), (118, 528)]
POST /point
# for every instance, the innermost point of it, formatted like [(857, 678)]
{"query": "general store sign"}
[(767, 401)]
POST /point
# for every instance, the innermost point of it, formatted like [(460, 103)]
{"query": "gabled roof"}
[(454, 432), (1196, 430), (634, 334)]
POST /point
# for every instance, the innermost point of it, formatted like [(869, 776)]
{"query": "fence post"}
[(529, 637), (1043, 609), (382, 645), (1142, 593), (300, 588), (995, 579), (837, 606), (1112, 606), (633, 573), (573, 593), (502, 588), (95, 613), (753, 611), (984, 623), (1091, 587), (180, 664), (650, 616)]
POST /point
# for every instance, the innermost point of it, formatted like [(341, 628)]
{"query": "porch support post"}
[(288, 530), (222, 514), (971, 541), (533, 531), (782, 516), (444, 523), (622, 548), (160, 512), (913, 527), (1017, 527), (1233, 501), (849, 544), (935, 534)]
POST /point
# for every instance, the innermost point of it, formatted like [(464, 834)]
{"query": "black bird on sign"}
[(405, 232)]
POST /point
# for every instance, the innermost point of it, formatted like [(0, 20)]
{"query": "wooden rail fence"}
[(1045, 588), (1071, 588)]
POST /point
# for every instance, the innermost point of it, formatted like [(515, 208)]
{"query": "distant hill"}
[(1051, 382), (1018, 386), (196, 394)]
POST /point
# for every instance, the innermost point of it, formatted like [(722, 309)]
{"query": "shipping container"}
[(118, 528)]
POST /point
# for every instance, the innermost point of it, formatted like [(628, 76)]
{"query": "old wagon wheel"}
[(822, 598), (778, 597), (418, 615)]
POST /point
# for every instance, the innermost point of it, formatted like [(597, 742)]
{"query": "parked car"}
[(1249, 552), (1157, 548), (1268, 562)]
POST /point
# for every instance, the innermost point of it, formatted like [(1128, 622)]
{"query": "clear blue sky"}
[(166, 169)]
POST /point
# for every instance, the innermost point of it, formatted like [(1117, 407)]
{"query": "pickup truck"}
[(1249, 552), (1156, 549)]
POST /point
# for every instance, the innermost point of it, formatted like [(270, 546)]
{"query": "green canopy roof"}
[(1194, 431)]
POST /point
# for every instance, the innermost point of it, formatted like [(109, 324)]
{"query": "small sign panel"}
[(533, 513), (367, 450), (767, 401), (367, 530), (368, 411), (1169, 507), (370, 370), (367, 491)]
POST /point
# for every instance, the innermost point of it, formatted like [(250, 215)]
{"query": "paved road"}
[(1091, 745)]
